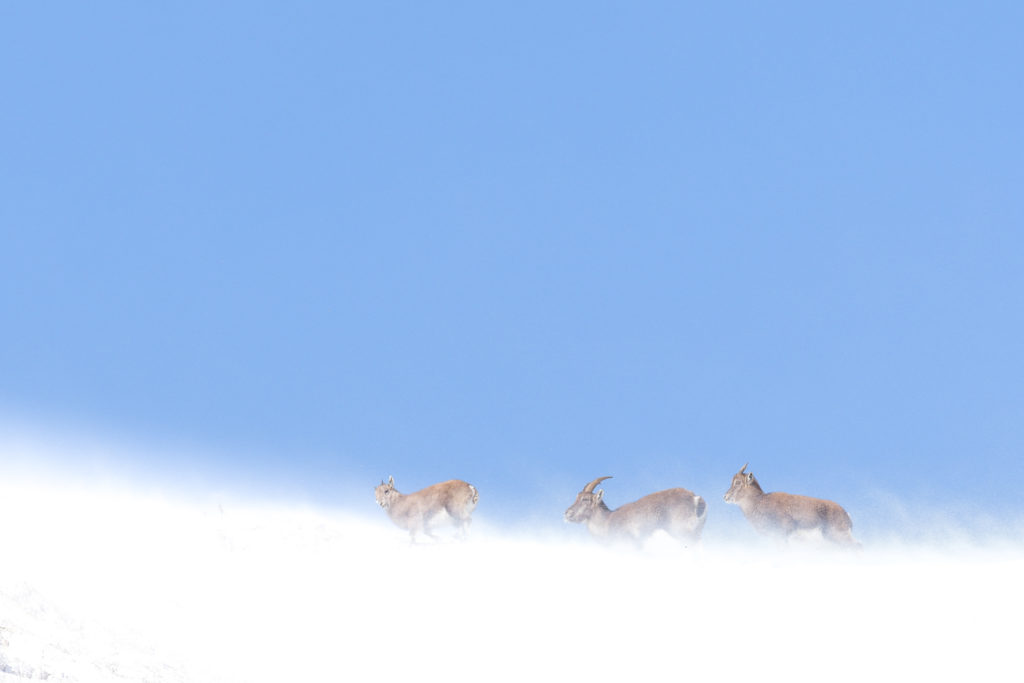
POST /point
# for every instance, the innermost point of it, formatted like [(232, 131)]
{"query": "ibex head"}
[(742, 484), (384, 492), (587, 501)]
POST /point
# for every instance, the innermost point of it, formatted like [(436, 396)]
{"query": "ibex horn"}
[(743, 468), (589, 488)]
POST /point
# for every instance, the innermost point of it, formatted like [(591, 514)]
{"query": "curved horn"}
[(743, 468), (589, 488)]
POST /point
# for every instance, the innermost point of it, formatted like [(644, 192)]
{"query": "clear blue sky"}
[(526, 246)]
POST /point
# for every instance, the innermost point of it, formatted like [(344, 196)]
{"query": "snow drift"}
[(110, 583)]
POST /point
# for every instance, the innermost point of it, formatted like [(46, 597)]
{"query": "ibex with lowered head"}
[(417, 512), (784, 514), (679, 512)]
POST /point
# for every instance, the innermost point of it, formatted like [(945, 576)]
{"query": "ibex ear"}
[(750, 477), (598, 495), (391, 481)]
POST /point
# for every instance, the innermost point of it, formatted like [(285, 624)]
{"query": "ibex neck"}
[(394, 502), (598, 520), (751, 499)]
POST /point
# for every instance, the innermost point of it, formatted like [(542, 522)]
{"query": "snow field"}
[(116, 584)]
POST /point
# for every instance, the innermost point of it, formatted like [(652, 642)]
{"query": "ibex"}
[(453, 500), (679, 512), (784, 514)]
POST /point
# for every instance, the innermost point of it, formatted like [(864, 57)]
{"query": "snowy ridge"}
[(112, 585)]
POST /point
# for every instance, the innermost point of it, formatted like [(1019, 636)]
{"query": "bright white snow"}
[(113, 583)]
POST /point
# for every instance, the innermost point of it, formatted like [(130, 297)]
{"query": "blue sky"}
[(525, 246)]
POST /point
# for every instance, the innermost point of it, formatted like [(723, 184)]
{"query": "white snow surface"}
[(111, 583)]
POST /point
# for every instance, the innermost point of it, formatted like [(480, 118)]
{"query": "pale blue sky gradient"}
[(526, 246)]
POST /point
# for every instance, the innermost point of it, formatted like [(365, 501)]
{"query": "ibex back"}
[(679, 512), (784, 514), (418, 512)]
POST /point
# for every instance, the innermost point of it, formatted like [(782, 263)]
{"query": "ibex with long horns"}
[(784, 514), (418, 512), (679, 512)]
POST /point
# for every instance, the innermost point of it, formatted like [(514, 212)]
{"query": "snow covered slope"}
[(116, 584)]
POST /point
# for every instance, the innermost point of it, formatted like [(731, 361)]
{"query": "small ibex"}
[(784, 514), (453, 500), (679, 512)]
